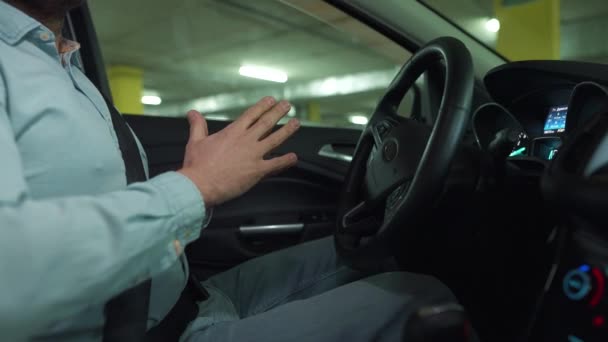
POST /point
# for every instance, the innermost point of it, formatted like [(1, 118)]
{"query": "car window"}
[(166, 57)]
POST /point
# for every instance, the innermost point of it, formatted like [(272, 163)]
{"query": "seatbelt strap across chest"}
[(127, 314)]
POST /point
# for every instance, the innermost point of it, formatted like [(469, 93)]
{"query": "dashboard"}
[(538, 107), (546, 145), (534, 131)]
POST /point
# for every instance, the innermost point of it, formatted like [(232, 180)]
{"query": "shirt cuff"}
[(185, 202)]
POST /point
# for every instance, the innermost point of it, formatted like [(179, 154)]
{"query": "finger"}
[(278, 138), (198, 126), (205, 126), (270, 119), (278, 164), (253, 113)]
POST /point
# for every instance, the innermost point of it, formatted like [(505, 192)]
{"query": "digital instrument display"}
[(552, 154), (520, 146), (556, 120), (547, 147)]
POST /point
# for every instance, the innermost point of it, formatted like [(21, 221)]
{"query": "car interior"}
[(453, 148)]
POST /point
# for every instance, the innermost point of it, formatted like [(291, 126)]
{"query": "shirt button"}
[(45, 36), (178, 247)]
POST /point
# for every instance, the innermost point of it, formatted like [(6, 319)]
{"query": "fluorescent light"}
[(493, 25), (358, 119), (151, 100), (263, 73)]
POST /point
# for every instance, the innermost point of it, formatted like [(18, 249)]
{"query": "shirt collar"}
[(67, 46), (14, 24)]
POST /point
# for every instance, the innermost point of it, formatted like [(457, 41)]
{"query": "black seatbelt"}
[(127, 313)]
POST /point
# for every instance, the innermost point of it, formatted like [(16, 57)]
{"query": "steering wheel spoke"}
[(356, 214), (381, 129), (395, 197)]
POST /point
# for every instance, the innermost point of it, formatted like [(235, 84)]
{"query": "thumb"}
[(198, 126)]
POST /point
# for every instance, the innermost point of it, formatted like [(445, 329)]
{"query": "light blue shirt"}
[(73, 234)]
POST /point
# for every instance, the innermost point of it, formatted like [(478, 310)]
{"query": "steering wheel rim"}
[(406, 180)]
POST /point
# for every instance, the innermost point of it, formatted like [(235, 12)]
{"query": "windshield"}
[(533, 29)]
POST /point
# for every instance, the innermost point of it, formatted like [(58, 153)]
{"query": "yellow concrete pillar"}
[(529, 29), (127, 85), (314, 112)]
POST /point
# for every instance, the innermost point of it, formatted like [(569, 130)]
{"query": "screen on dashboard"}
[(556, 120)]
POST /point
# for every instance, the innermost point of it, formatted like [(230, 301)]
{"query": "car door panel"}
[(282, 210)]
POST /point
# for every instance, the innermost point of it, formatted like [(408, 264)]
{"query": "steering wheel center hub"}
[(389, 151)]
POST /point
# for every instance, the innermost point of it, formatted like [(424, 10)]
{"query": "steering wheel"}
[(400, 165)]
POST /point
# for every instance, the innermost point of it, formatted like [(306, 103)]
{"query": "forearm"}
[(63, 254)]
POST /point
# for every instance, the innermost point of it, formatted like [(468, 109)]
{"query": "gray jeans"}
[(305, 293)]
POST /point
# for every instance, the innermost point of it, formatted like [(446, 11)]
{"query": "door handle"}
[(328, 151), (272, 229)]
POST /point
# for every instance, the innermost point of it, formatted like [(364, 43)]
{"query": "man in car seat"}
[(74, 235)]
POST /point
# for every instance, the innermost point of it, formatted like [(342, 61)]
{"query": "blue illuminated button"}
[(577, 284)]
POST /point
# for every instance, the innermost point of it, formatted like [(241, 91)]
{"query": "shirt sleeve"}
[(59, 256)]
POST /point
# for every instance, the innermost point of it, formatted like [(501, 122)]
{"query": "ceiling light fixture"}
[(151, 100), (493, 25), (358, 119), (263, 73)]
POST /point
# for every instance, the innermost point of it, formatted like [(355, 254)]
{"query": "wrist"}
[(206, 190)]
